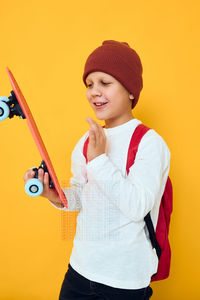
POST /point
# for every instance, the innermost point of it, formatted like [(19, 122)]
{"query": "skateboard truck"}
[(34, 186), (9, 107)]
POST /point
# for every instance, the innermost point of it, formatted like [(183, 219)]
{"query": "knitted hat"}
[(120, 61)]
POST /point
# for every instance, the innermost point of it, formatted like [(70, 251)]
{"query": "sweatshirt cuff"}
[(60, 208), (97, 163)]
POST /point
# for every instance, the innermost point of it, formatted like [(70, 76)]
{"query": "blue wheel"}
[(34, 187), (4, 110), (3, 98)]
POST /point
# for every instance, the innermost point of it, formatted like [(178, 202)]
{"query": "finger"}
[(41, 175), (92, 137), (96, 128), (46, 179), (28, 175), (100, 134), (89, 120), (101, 130), (92, 123), (46, 183)]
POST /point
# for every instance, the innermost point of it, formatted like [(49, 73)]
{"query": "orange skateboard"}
[(16, 105)]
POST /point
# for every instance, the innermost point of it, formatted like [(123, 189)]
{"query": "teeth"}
[(100, 104)]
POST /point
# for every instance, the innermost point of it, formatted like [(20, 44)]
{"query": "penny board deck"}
[(36, 136)]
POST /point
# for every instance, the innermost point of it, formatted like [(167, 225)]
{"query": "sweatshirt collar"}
[(129, 124)]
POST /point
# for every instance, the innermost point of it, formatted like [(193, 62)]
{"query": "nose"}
[(95, 90)]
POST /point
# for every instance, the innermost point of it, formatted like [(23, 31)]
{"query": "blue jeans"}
[(75, 286)]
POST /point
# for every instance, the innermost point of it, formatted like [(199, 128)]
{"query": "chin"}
[(100, 118), (103, 115)]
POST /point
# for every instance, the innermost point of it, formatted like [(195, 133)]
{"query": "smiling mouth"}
[(99, 104)]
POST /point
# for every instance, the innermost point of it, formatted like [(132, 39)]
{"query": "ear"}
[(131, 96)]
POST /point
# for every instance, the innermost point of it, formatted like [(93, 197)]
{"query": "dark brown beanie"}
[(120, 61)]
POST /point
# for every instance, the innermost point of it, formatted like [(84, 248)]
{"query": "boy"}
[(112, 257)]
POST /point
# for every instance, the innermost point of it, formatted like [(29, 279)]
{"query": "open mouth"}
[(100, 104)]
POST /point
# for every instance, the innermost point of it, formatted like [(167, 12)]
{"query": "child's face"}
[(103, 88)]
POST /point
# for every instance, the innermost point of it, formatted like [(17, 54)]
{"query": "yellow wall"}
[(46, 43)]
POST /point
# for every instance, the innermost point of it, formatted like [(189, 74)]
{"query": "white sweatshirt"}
[(111, 245)]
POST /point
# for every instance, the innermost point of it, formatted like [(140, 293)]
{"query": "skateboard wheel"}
[(3, 98), (34, 187), (4, 110)]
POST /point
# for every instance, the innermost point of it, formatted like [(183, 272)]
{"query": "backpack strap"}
[(134, 143), (152, 234), (85, 146), (132, 151)]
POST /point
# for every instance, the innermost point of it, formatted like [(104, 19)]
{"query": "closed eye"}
[(103, 82)]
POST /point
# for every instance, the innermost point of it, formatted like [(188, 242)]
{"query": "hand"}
[(97, 140), (48, 193)]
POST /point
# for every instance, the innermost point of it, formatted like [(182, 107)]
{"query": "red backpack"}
[(159, 237)]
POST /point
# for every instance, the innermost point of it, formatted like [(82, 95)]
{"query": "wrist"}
[(91, 158), (56, 201)]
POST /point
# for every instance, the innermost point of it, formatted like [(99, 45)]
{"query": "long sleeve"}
[(78, 180), (111, 221), (135, 195)]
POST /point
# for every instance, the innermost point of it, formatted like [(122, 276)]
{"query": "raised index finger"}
[(99, 128), (95, 126)]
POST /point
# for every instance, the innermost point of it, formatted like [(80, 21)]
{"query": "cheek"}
[(110, 95), (88, 96), (114, 92)]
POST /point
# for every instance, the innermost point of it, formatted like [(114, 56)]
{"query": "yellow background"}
[(45, 44)]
